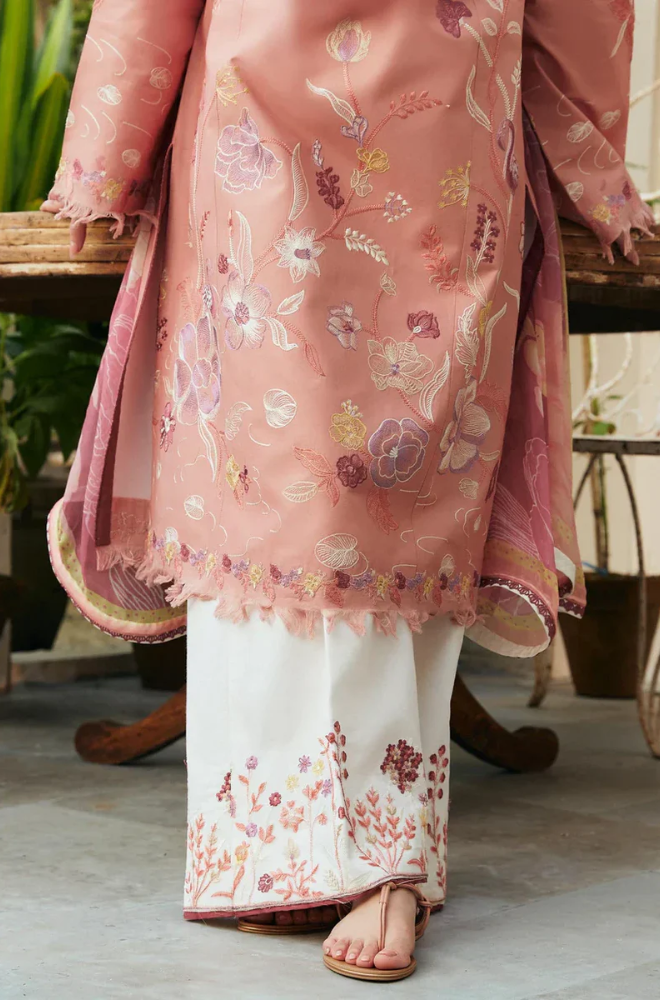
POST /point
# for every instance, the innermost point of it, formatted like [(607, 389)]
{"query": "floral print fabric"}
[(355, 793), (314, 398)]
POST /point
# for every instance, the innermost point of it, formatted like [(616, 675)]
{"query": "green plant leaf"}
[(55, 51), (602, 428), (16, 66), (47, 132), (34, 443)]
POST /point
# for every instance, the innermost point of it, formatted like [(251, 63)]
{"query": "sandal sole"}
[(280, 930), (371, 975)]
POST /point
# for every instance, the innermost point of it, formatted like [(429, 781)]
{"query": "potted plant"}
[(602, 648)]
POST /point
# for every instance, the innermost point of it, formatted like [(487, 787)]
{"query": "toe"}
[(329, 944), (367, 955), (340, 948), (395, 956), (354, 951)]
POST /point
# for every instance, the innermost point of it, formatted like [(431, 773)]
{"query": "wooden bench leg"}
[(472, 728)]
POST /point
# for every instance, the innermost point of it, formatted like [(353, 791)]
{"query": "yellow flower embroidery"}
[(241, 852), (171, 549), (348, 42), (383, 584), (112, 189), (311, 583), (346, 428), (428, 586), (292, 782), (318, 767), (227, 84), (374, 159), (255, 573), (210, 562), (455, 187), (232, 472), (602, 213)]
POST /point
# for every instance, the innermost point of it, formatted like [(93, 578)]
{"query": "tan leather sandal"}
[(387, 975), (278, 930)]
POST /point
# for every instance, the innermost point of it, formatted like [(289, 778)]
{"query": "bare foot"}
[(315, 915), (355, 938)]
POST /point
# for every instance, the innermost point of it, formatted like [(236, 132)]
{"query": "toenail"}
[(338, 952)]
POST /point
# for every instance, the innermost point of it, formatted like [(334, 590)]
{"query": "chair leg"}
[(528, 749), (107, 742)]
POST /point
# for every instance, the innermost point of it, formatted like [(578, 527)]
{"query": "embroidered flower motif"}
[(383, 584), (318, 767), (455, 186), (374, 159), (255, 573), (402, 763), (351, 470), (298, 251), (227, 84), (241, 159), (348, 42), (449, 13), (292, 782), (423, 324), (292, 816), (167, 427), (328, 184), (317, 153), (346, 428), (251, 763), (398, 448), (232, 472), (241, 852), (397, 365), (265, 883), (356, 130), (464, 434), (245, 306), (601, 213), (275, 799), (342, 580), (225, 791), (326, 788), (197, 372), (344, 325), (396, 207), (304, 764), (223, 264), (172, 546), (251, 830), (311, 583)]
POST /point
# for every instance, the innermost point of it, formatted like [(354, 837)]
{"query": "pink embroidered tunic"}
[(336, 379)]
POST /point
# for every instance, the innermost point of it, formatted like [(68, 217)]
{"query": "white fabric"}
[(316, 768)]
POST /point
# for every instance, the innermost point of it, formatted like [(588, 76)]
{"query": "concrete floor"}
[(554, 878)]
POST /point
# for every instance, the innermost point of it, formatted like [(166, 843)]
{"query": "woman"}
[(332, 419)]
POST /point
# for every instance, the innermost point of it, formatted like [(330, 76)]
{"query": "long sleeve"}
[(576, 82), (129, 76)]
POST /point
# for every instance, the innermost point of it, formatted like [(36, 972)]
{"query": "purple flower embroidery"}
[(449, 13), (356, 130), (251, 763), (241, 160), (398, 448), (251, 830), (326, 788), (344, 325), (265, 883), (197, 372), (304, 764)]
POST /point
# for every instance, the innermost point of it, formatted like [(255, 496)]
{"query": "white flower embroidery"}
[(298, 250)]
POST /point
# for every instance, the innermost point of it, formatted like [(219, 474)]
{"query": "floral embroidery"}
[(344, 325), (485, 234), (402, 764), (348, 42), (396, 207), (449, 13), (245, 306), (298, 251), (227, 84), (241, 159), (167, 427), (436, 261), (398, 448), (423, 324), (397, 365), (464, 434), (455, 187), (346, 428), (197, 372), (328, 185), (351, 470), (374, 159)]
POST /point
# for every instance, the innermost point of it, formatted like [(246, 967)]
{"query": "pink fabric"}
[(361, 396)]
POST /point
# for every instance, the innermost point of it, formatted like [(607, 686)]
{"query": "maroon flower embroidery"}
[(226, 788), (223, 264), (400, 581), (251, 830), (402, 764), (275, 573), (449, 13), (226, 564), (342, 580), (344, 325), (351, 470), (167, 427), (485, 234), (423, 324), (398, 448), (275, 799), (328, 185), (265, 883)]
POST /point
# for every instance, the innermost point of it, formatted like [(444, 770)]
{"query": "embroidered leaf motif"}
[(474, 282), (472, 106), (339, 106), (329, 486), (279, 334), (359, 241), (378, 507), (315, 463), (242, 251), (290, 305), (513, 28), (409, 104), (488, 339), (209, 443), (300, 186), (387, 284), (489, 26), (467, 340), (431, 390), (301, 492), (337, 551), (313, 359), (234, 419)]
